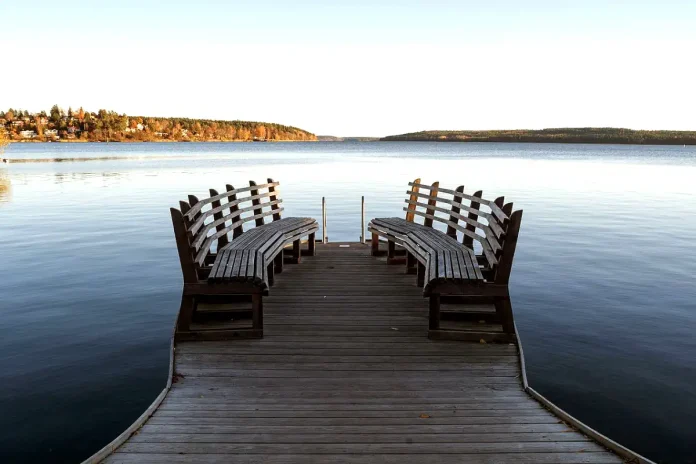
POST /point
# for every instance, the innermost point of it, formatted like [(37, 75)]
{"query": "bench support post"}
[(421, 275), (374, 243), (188, 304), (257, 211), (451, 231), (469, 241), (413, 197), (411, 263), (312, 244), (273, 196), (237, 231), (434, 320), (391, 251), (188, 267), (432, 203), (503, 307), (296, 252), (222, 241), (257, 311), (279, 262), (270, 272)]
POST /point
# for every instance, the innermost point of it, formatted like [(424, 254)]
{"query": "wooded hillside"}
[(562, 135), (106, 125)]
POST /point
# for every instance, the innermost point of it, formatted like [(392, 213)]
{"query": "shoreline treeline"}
[(561, 135), (101, 126)]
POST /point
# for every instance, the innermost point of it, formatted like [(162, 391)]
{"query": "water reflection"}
[(63, 177), (5, 187), (67, 160)]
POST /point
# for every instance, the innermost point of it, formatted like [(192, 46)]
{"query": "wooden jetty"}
[(346, 374), (348, 370)]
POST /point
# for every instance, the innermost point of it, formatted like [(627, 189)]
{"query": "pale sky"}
[(367, 68)]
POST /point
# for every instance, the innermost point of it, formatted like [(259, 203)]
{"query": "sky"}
[(359, 68)]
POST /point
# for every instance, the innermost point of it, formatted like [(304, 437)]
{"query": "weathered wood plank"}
[(357, 438), (340, 397), (314, 373), (343, 410), (482, 458), (359, 421), (193, 367), (363, 448)]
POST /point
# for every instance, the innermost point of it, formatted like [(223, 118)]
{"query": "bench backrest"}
[(491, 224), (201, 225)]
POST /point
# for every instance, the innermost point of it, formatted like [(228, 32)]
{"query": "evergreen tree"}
[(55, 113)]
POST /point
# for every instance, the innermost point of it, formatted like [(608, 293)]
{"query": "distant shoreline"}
[(563, 142), (31, 141), (586, 135), (108, 126), (386, 139)]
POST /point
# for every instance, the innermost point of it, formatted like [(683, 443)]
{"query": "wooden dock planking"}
[(347, 375)]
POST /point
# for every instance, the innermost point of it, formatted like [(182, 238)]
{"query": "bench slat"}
[(207, 243), (197, 207), (489, 234), (200, 222), (224, 259), (252, 252), (494, 208), (220, 260), (487, 251), (445, 258), (456, 275), (493, 221), (462, 267)]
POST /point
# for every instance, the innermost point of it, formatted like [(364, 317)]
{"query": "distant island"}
[(562, 135), (108, 126)]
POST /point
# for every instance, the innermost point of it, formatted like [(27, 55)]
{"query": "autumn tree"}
[(260, 132), (4, 137), (39, 126)]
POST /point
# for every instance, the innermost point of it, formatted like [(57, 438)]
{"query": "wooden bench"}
[(474, 267), (215, 264)]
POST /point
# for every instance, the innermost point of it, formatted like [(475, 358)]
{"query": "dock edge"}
[(140, 421), (631, 456)]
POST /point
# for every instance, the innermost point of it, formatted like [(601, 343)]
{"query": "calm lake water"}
[(603, 284)]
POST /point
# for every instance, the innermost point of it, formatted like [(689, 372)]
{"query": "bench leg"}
[(503, 307), (279, 262), (375, 244), (421, 275), (257, 311), (434, 320), (391, 251), (188, 304), (411, 263), (270, 272), (312, 244), (296, 251)]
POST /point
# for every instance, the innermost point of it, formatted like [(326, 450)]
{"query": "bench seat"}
[(246, 259), (448, 266), (444, 258)]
